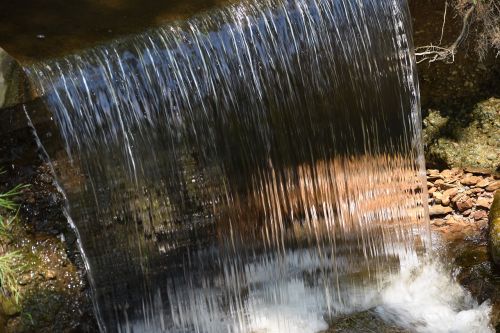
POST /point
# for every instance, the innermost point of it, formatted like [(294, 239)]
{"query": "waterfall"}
[(255, 168)]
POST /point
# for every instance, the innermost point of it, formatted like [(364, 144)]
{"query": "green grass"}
[(6, 201), (8, 276), (9, 260), (6, 225)]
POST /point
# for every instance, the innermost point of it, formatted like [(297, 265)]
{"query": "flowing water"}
[(256, 168)]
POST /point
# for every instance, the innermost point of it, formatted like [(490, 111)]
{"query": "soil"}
[(52, 279)]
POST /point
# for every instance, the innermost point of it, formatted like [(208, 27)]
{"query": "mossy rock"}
[(494, 234), (467, 138)]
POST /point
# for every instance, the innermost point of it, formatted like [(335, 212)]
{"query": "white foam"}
[(424, 299), (427, 300), (298, 312)]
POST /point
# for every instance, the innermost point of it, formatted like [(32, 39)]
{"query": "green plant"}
[(6, 224), (9, 261), (6, 201), (8, 281)]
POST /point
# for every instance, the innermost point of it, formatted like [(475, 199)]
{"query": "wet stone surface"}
[(366, 321), (50, 273)]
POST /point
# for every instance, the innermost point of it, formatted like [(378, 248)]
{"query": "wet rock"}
[(50, 274), (494, 230), (437, 210), (366, 321), (25, 279), (45, 178)]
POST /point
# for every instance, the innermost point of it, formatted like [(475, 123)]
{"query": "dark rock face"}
[(53, 284)]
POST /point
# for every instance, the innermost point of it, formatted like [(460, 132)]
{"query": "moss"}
[(464, 138), (8, 306), (494, 233)]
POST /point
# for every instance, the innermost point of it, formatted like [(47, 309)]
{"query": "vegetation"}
[(480, 18), (8, 281), (9, 260)]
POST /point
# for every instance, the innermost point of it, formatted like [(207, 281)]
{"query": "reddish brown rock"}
[(437, 210), (437, 197), (465, 203), (432, 172), (438, 182), (484, 203), (447, 173), (470, 180), (446, 186), (479, 214), (483, 183), (493, 186), (451, 192), (477, 171), (467, 212), (438, 222), (432, 190), (458, 197), (476, 190)]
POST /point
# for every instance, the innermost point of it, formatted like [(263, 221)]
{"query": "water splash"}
[(222, 168), (428, 300)]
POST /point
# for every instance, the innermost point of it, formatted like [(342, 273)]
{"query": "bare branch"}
[(433, 53), (444, 21)]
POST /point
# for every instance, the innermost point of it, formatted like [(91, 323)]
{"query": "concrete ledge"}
[(13, 82)]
